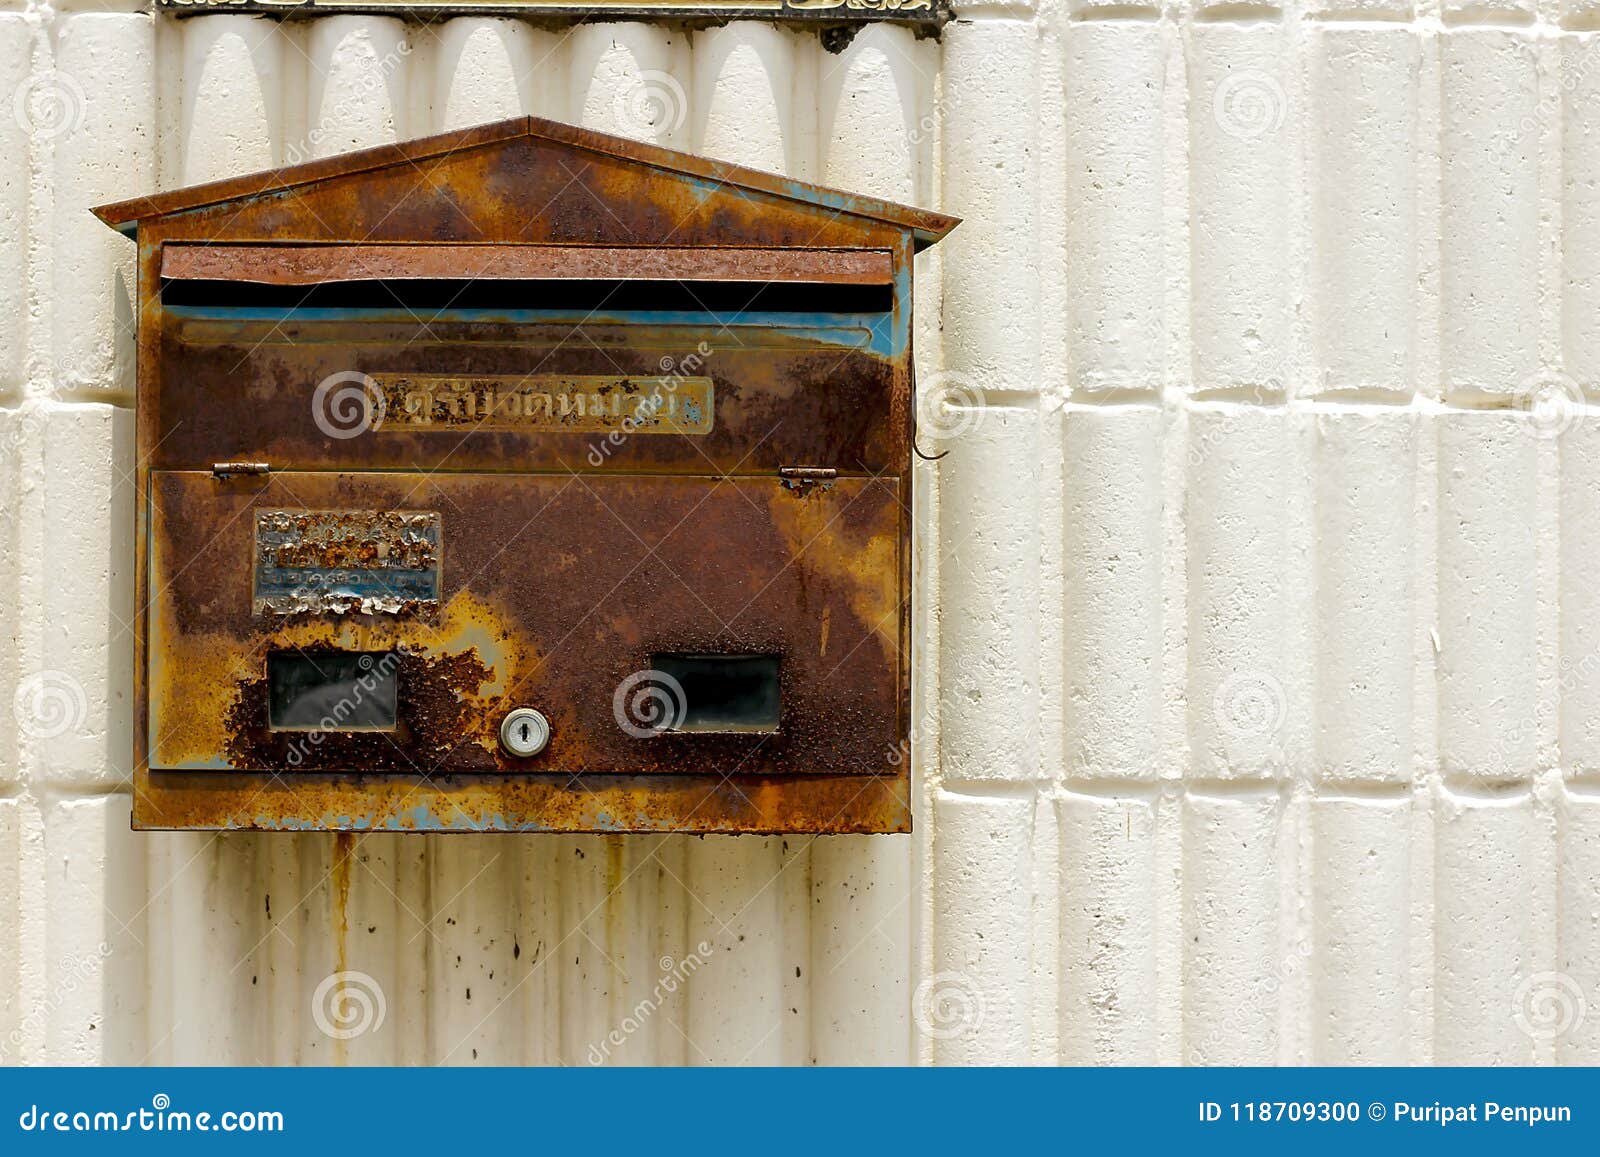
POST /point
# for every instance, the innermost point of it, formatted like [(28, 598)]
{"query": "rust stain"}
[(339, 879), (344, 845), (864, 552)]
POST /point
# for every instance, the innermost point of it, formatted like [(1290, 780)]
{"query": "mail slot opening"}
[(332, 690), (720, 692), (560, 294)]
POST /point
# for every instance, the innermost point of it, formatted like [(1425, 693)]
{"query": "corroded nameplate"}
[(554, 403), (341, 562)]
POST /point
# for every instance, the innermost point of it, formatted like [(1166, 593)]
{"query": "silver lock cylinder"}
[(524, 732)]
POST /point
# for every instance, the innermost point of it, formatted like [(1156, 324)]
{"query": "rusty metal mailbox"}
[(523, 479)]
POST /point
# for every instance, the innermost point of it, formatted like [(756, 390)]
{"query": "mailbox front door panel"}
[(462, 596)]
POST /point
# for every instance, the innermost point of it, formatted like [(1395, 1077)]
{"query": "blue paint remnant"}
[(422, 819), (211, 763), (871, 332)]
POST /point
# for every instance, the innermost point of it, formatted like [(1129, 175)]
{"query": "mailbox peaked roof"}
[(527, 180)]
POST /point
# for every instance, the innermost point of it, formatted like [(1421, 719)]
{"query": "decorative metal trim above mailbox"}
[(932, 13), (523, 479)]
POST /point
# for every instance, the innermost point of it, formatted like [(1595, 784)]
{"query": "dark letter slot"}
[(332, 691), (723, 692)]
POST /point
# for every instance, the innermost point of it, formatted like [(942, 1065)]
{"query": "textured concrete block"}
[(1580, 205), (233, 89), (736, 1012), (1089, 9), (357, 85), (1567, 1008), (15, 1035), (623, 965), (1044, 942), (870, 133), (1366, 464), (1511, 11), (474, 955), (1578, 13), (102, 130), (974, 1005), (1232, 970), (539, 1001), (1487, 889), (1114, 80), (1239, 703), (220, 925), (989, 571), (1578, 679), (1489, 227), (582, 868), (1112, 543), (747, 82), (991, 315), (488, 70), (16, 180), (1109, 999), (1365, 208), (378, 915), (1360, 901), (96, 896), (1239, 129), (1359, 9), (79, 705), (1488, 693), (861, 950), (630, 79), (18, 437)]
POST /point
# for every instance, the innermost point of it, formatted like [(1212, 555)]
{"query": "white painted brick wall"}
[(1259, 673)]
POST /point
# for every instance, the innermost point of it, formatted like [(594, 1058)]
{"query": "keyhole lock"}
[(524, 732)]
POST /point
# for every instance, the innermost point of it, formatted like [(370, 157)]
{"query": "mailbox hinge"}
[(227, 469), (808, 473)]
